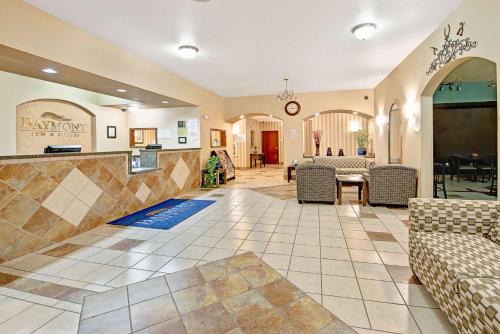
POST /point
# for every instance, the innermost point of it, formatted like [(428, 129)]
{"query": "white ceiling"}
[(248, 46)]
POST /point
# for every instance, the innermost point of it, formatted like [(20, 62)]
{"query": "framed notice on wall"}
[(111, 132)]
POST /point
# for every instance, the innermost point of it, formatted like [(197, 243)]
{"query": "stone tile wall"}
[(46, 200)]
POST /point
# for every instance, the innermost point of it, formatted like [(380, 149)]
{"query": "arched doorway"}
[(338, 131), (459, 130)]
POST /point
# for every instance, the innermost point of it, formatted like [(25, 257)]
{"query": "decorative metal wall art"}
[(451, 48)]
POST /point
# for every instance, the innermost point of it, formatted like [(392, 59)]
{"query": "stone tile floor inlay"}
[(240, 294)]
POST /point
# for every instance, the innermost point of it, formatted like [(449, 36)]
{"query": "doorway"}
[(465, 132), (270, 147)]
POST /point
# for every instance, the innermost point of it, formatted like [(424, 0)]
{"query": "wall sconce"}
[(409, 110), (414, 123), (354, 126), (381, 120)]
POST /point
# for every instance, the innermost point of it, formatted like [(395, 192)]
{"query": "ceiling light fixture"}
[(49, 70), (164, 102), (364, 31), (286, 95), (188, 51), (241, 117), (121, 90)]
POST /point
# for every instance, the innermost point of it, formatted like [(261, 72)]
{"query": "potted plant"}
[(210, 175), (361, 139)]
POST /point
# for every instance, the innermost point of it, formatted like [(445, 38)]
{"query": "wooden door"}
[(270, 146)]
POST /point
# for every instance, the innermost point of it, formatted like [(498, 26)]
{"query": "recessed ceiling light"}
[(355, 113), (188, 51), (364, 31), (271, 116), (49, 70), (241, 117), (316, 114), (165, 102), (121, 90)]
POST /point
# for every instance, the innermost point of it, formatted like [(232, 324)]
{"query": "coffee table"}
[(354, 180)]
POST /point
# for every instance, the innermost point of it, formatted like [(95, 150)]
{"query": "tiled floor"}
[(351, 259), (234, 295)]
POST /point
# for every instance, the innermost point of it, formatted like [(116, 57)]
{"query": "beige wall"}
[(29, 29), (311, 103), (408, 84)]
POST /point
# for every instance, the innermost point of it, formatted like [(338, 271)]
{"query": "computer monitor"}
[(62, 149), (153, 147)]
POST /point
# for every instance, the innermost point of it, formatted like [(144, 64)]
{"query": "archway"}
[(257, 133), (459, 128), (339, 128)]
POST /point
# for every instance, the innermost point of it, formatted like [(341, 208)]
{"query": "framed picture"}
[(181, 124), (182, 140), (111, 131)]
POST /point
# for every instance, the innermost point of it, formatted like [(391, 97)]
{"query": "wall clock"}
[(292, 108)]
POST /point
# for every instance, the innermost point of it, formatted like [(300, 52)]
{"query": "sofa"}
[(391, 184), (345, 164), (455, 253), (316, 183)]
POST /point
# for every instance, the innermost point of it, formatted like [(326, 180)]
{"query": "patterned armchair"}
[(316, 182), (455, 252), (391, 184)]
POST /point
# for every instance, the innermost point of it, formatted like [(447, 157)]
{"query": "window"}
[(141, 137)]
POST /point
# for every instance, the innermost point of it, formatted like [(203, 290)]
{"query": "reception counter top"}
[(49, 197)]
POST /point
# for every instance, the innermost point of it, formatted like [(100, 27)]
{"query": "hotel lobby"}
[(174, 167)]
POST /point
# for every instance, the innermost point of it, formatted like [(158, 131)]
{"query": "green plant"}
[(361, 138), (210, 167)]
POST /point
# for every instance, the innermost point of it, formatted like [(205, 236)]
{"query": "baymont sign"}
[(51, 124)]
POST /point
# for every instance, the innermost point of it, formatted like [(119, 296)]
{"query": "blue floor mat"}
[(164, 215)]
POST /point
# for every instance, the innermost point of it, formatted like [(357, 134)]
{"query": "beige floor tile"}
[(360, 244), (10, 307), (371, 271), (177, 264), (104, 302), (128, 259), (152, 262), (302, 239), (130, 276), (283, 237), (416, 295), (103, 274), (306, 250), (380, 291), (395, 259), (335, 253), (333, 242), (340, 286), (65, 323), (277, 261), (216, 254), (206, 241), (432, 321), (391, 318), (305, 264), (194, 252), (337, 268), (116, 322), (170, 249), (279, 248), (30, 319), (359, 255), (307, 282), (351, 311), (78, 270), (388, 246)]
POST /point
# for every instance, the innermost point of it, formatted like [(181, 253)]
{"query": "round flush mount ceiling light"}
[(49, 70), (188, 51), (364, 31)]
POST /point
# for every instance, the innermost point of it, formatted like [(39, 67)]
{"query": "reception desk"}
[(47, 198)]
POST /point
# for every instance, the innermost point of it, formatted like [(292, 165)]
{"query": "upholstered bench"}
[(345, 165), (455, 252)]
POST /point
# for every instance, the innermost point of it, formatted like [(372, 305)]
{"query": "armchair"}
[(316, 183), (391, 184)]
